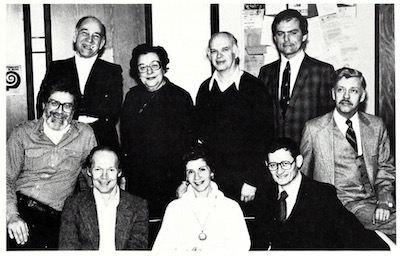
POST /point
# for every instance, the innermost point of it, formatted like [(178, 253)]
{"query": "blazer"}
[(318, 152), (102, 97), (311, 95), (80, 229), (318, 221)]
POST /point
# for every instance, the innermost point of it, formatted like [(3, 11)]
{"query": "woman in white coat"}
[(203, 219)]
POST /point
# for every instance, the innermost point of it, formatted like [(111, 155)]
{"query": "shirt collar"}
[(341, 120), (295, 62), (85, 61), (234, 79), (112, 203), (293, 187)]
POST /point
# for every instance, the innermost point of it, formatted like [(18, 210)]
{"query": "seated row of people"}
[(308, 216)]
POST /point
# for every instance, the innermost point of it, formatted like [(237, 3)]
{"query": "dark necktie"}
[(285, 88), (282, 206), (351, 135)]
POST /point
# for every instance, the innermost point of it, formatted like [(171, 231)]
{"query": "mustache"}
[(58, 115), (345, 101)]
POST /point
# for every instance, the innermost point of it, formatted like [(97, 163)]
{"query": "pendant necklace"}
[(203, 236), (154, 93)]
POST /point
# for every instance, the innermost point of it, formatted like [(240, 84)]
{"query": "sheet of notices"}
[(326, 9), (301, 8), (274, 9), (253, 63), (266, 32)]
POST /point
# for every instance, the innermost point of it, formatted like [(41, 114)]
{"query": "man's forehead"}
[(281, 152), (221, 40), (350, 82), (90, 22), (105, 156), (62, 96), (288, 22)]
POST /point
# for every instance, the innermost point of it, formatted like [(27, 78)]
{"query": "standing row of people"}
[(235, 118)]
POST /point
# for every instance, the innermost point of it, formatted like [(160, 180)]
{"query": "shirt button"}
[(106, 96), (45, 176)]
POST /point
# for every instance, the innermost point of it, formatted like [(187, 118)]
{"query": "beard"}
[(57, 121)]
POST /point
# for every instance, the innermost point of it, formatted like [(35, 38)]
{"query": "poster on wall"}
[(13, 79)]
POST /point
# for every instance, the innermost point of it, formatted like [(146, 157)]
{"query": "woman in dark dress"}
[(155, 130)]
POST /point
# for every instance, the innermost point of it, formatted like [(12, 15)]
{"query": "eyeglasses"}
[(285, 165), (154, 65), (66, 107)]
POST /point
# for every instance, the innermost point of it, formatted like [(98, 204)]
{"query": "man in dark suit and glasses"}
[(299, 85), (296, 212)]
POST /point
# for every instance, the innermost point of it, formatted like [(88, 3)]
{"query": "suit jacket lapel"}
[(367, 142), (300, 82), (275, 81), (75, 74), (124, 219), (89, 217), (324, 140), (92, 75)]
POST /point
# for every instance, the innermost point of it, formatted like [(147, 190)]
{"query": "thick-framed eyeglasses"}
[(154, 65), (66, 107), (285, 165)]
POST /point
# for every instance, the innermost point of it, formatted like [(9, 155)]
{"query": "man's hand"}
[(181, 189), (18, 229), (248, 193), (381, 214), (122, 183)]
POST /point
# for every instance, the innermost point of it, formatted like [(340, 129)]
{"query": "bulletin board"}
[(332, 36), (342, 35)]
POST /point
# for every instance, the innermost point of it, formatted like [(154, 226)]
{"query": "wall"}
[(125, 27), (364, 28), (183, 30), (16, 109)]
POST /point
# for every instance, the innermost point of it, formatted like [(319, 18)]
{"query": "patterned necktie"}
[(285, 88), (351, 135), (282, 206)]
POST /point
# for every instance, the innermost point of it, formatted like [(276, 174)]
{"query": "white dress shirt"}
[(292, 189), (234, 79), (295, 64), (341, 124), (107, 217), (83, 67)]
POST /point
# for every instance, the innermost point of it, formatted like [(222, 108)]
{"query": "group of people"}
[(289, 149)]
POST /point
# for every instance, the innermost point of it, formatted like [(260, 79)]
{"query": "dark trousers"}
[(43, 224)]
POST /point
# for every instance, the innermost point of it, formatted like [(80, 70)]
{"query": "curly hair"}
[(144, 49)]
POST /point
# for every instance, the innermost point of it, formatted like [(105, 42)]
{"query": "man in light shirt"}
[(351, 150), (99, 82), (299, 84), (296, 212), (44, 160), (234, 119), (104, 218)]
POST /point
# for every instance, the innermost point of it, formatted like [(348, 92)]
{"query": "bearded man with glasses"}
[(44, 160), (296, 212)]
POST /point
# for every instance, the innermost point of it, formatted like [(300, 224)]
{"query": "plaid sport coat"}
[(311, 95)]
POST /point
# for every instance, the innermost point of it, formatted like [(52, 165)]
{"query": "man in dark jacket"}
[(300, 213), (99, 82)]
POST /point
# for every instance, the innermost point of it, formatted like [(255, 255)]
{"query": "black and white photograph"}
[(222, 127)]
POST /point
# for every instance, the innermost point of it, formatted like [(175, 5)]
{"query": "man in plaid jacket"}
[(309, 80)]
